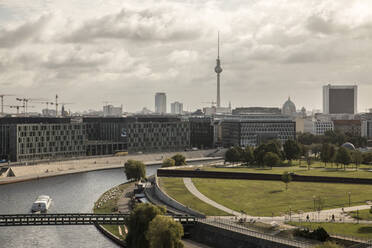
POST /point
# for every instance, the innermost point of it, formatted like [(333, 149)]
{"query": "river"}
[(70, 193)]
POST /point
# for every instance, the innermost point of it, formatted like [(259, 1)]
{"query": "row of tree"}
[(148, 227), (176, 160), (269, 154), (332, 137), (341, 155)]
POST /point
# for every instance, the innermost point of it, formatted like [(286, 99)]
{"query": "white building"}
[(111, 111), (48, 112), (177, 108), (340, 99), (320, 127), (160, 103)]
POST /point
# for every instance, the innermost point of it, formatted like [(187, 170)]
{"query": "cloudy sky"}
[(90, 51)]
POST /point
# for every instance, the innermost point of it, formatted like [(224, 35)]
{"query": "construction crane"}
[(25, 102), (2, 102), (17, 107), (211, 102)]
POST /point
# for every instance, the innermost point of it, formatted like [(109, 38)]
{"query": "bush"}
[(367, 158), (168, 162), (318, 234), (179, 159), (271, 159)]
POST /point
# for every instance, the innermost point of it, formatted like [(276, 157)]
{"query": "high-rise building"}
[(160, 103), (218, 70), (176, 108), (340, 99)]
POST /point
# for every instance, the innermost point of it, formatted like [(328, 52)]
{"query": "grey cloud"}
[(144, 25), (14, 37), (317, 24)]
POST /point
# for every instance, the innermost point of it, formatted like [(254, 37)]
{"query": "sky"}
[(92, 51)]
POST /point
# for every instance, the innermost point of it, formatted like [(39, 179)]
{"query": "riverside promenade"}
[(50, 169)]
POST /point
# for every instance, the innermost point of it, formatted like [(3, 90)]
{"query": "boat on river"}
[(41, 204)]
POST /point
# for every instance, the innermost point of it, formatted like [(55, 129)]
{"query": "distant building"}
[(201, 132), (37, 138), (351, 127), (320, 127), (289, 108), (177, 108), (340, 99), (111, 111), (48, 112), (366, 129), (255, 110), (254, 130), (304, 125), (160, 103)]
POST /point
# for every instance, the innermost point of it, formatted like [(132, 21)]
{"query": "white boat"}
[(41, 204)]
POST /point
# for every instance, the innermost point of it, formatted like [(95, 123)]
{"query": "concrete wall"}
[(259, 176), (175, 204), (222, 238)]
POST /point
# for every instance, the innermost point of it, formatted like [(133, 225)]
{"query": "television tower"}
[(218, 70)]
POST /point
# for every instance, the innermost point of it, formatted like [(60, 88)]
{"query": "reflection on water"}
[(70, 193)]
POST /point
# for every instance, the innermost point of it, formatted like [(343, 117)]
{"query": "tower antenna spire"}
[(218, 70), (218, 44)]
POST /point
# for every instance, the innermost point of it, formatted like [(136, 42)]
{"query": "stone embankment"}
[(25, 173)]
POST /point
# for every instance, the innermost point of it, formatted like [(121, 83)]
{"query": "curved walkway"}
[(191, 187), (324, 215)]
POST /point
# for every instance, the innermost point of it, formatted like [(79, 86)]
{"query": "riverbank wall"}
[(34, 172)]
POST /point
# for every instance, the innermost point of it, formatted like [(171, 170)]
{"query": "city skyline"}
[(126, 52)]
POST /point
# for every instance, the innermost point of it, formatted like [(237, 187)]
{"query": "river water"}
[(74, 193)]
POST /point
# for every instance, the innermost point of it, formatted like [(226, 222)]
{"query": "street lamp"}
[(314, 201), (349, 193)]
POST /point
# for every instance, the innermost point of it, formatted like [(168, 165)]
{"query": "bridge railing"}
[(233, 226)]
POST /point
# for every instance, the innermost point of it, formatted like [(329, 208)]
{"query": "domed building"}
[(289, 108), (349, 146)]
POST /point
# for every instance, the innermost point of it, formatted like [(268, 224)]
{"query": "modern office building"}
[(36, 138), (201, 132), (111, 111), (253, 130), (177, 108), (255, 110), (105, 135), (351, 127), (340, 99), (320, 127), (160, 103), (366, 129), (157, 133)]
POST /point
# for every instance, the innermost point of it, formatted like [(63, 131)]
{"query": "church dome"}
[(289, 108)]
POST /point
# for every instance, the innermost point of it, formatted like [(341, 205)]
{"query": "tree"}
[(134, 169), (138, 224), (234, 154), (164, 232), (343, 156), (168, 162), (179, 159), (271, 159), (286, 178), (291, 150), (357, 158), (367, 157), (325, 153), (259, 154), (247, 155), (304, 151)]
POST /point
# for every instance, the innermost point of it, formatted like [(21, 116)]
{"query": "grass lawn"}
[(361, 215), (264, 198), (176, 189), (109, 207), (317, 169), (362, 231)]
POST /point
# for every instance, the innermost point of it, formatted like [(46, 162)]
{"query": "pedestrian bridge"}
[(74, 219)]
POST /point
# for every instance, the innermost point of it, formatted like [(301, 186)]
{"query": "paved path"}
[(191, 187), (324, 215)]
